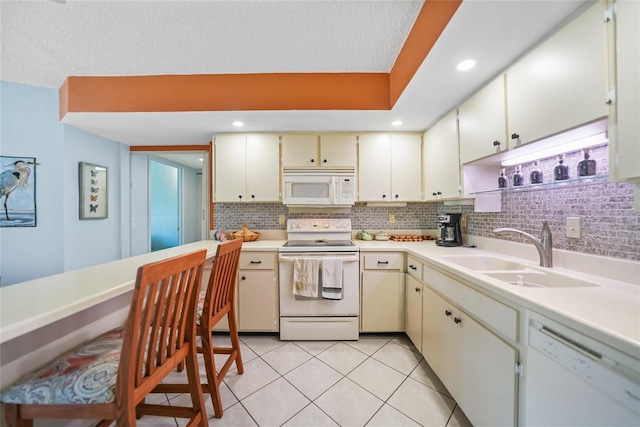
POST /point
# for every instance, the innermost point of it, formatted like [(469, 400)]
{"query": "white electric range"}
[(318, 317)]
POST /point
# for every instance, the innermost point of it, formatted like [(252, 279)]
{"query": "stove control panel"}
[(318, 225)]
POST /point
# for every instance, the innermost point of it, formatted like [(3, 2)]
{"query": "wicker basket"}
[(245, 234)]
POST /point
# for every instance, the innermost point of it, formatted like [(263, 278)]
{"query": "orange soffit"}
[(226, 92), (429, 25), (263, 92)]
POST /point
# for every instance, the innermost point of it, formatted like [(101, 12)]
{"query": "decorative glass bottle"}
[(518, 178), (561, 171), (503, 181), (536, 173), (587, 166)]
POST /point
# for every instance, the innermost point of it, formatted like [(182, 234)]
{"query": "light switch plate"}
[(573, 227), (280, 219)]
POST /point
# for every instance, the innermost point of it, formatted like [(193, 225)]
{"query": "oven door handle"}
[(289, 258)]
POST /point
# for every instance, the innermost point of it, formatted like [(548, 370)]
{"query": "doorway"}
[(165, 202), (193, 212)]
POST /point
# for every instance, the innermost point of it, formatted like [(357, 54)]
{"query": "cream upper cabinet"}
[(389, 167), (247, 168), (299, 150), (441, 163), (562, 83), (483, 123), (323, 150), (337, 150), (624, 125)]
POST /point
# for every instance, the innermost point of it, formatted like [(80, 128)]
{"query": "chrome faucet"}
[(544, 245)]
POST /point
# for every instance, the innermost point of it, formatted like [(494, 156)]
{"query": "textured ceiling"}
[(111, 38), (43, 42)]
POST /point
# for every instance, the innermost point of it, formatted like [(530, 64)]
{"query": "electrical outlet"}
[(281, 219), (573, 227), (392, 218)]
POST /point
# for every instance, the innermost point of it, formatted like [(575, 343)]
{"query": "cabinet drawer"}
[(383, 261), (257, 261), (502, 318), (414, 267)]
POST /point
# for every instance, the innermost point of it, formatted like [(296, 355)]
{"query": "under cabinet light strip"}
[(568, 147)]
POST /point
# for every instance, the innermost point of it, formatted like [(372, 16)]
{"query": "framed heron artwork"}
[(94, 191), (18, 191)]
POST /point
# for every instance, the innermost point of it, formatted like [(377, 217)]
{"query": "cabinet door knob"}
[(457, 320), (417, 289), (313, 160), (439, 193), (384, 196), (434, 194), (243, 278), (447, 313), (324, 161), (253, 196), (515, 136), (397, 196), (240, 196), (496, 143)]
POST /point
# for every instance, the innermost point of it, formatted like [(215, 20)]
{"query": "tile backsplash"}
[(609, 224)]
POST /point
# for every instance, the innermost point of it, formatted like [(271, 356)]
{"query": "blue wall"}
[(60, 242)]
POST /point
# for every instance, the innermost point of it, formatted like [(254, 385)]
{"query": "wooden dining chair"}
[(215, 303), (109, 377)]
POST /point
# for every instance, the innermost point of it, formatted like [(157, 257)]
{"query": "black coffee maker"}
[(450, 230)]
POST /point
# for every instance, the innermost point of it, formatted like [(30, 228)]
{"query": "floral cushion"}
[(84, 375), (201, 298)]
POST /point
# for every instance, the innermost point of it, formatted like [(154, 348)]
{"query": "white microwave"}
[(319, 187)]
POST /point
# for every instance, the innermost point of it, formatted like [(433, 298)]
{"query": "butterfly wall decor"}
[(94, 192)]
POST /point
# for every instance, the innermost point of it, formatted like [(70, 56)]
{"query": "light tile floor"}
[(379, 380)]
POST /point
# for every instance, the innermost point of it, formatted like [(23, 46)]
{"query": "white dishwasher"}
[(573, 380)]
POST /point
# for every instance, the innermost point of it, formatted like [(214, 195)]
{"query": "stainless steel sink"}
[(486, 263), (538, 279)]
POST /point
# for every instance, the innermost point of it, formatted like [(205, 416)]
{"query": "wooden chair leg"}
[(195, 389), (212, 374), (235, 340), (11, 412)]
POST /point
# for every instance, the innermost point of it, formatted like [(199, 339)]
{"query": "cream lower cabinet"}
[(258, 292), (382, 301), (413, 311), (475, 365)]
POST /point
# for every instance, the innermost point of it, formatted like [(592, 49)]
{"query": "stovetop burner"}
[(317, 243)]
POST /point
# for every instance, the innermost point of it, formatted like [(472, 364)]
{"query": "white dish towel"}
[(305, 277), (332, 278)]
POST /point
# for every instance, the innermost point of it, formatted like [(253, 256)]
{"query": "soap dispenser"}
[(587, 166), (561, 171)]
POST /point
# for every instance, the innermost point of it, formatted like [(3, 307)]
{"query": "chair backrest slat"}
[(221, 286), (161, 320)]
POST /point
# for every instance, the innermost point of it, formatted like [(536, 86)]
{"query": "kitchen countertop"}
[(609, 313)]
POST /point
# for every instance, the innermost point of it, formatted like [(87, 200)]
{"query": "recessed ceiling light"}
[(465, 65), (238, 124), (396, 123)]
